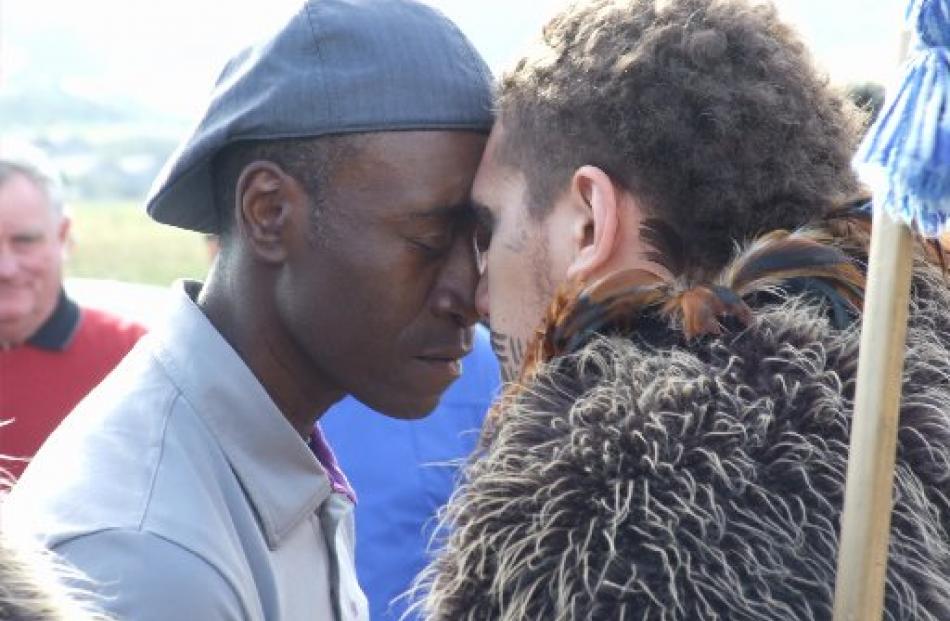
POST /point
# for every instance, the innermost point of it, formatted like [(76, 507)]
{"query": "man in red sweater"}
[(52, 352)]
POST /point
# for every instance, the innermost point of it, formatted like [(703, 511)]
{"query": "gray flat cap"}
[(338, 66)]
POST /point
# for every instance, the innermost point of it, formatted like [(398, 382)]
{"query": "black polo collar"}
[(59, 329)]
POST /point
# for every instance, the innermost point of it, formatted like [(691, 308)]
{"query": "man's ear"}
[(64, 235), (595, 230), (263, 209)]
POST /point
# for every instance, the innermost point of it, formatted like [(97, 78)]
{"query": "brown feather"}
[(578, 310), (616, 301), (700, 309), (781, 256)]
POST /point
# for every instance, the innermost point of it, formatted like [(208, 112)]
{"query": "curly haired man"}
[(667, 192)]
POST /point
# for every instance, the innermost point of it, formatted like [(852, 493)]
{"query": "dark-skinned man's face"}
[(381, 296)]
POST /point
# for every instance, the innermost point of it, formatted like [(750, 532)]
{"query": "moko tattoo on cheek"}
[(510, 352)]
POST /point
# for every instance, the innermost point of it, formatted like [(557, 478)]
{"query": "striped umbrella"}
[(905, 159)]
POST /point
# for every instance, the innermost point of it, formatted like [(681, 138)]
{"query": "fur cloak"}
[(645, 475)]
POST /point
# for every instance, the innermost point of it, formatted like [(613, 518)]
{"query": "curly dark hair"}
[(710, 111)]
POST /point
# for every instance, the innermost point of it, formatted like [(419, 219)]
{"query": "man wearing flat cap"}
[(335, 161)]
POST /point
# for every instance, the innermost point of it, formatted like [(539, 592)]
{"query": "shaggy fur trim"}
[(698, 482)]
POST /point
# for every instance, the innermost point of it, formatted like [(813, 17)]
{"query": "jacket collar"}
[(280, 474), (58, 331)]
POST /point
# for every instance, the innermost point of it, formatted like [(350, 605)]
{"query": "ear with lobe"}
[(595, 231), (264, 208), (63, 230)]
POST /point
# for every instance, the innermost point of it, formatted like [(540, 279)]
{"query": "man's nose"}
[(8, 261), (455, 290)]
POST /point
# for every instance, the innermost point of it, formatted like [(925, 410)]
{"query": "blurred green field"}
[(119, 241)]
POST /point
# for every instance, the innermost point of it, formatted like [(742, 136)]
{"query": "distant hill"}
[(106, 151), (44, 107)]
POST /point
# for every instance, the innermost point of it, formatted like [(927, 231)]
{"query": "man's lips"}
[(446, 364), (446, 355)]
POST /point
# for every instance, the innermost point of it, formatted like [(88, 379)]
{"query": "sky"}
[(165, 54)]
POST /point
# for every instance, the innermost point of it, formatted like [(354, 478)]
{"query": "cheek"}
[(517, 296), (41, 263), (380, 293), (395, 290)]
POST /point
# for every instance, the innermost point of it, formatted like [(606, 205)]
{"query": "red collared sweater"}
[(40, 386)]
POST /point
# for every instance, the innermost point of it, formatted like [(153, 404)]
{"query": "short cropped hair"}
[(311, 161), (30, 162), (709, 111)]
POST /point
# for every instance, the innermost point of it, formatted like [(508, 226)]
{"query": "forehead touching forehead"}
[(422, 159), (414, 175)]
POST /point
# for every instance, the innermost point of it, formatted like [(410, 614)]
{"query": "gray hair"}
[(29, 161)]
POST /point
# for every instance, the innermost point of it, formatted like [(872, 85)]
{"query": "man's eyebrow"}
[(32, 232), (444, 211)]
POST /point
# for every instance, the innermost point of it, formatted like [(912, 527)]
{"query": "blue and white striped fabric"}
[(905, 157)]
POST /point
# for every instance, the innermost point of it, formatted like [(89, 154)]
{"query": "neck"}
[(635, 246), (638, 271), (257, 334)]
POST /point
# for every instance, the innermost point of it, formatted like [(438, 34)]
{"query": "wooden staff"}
[(866, 521)]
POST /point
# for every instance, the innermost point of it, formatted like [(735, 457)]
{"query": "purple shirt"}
[(327, 459)]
